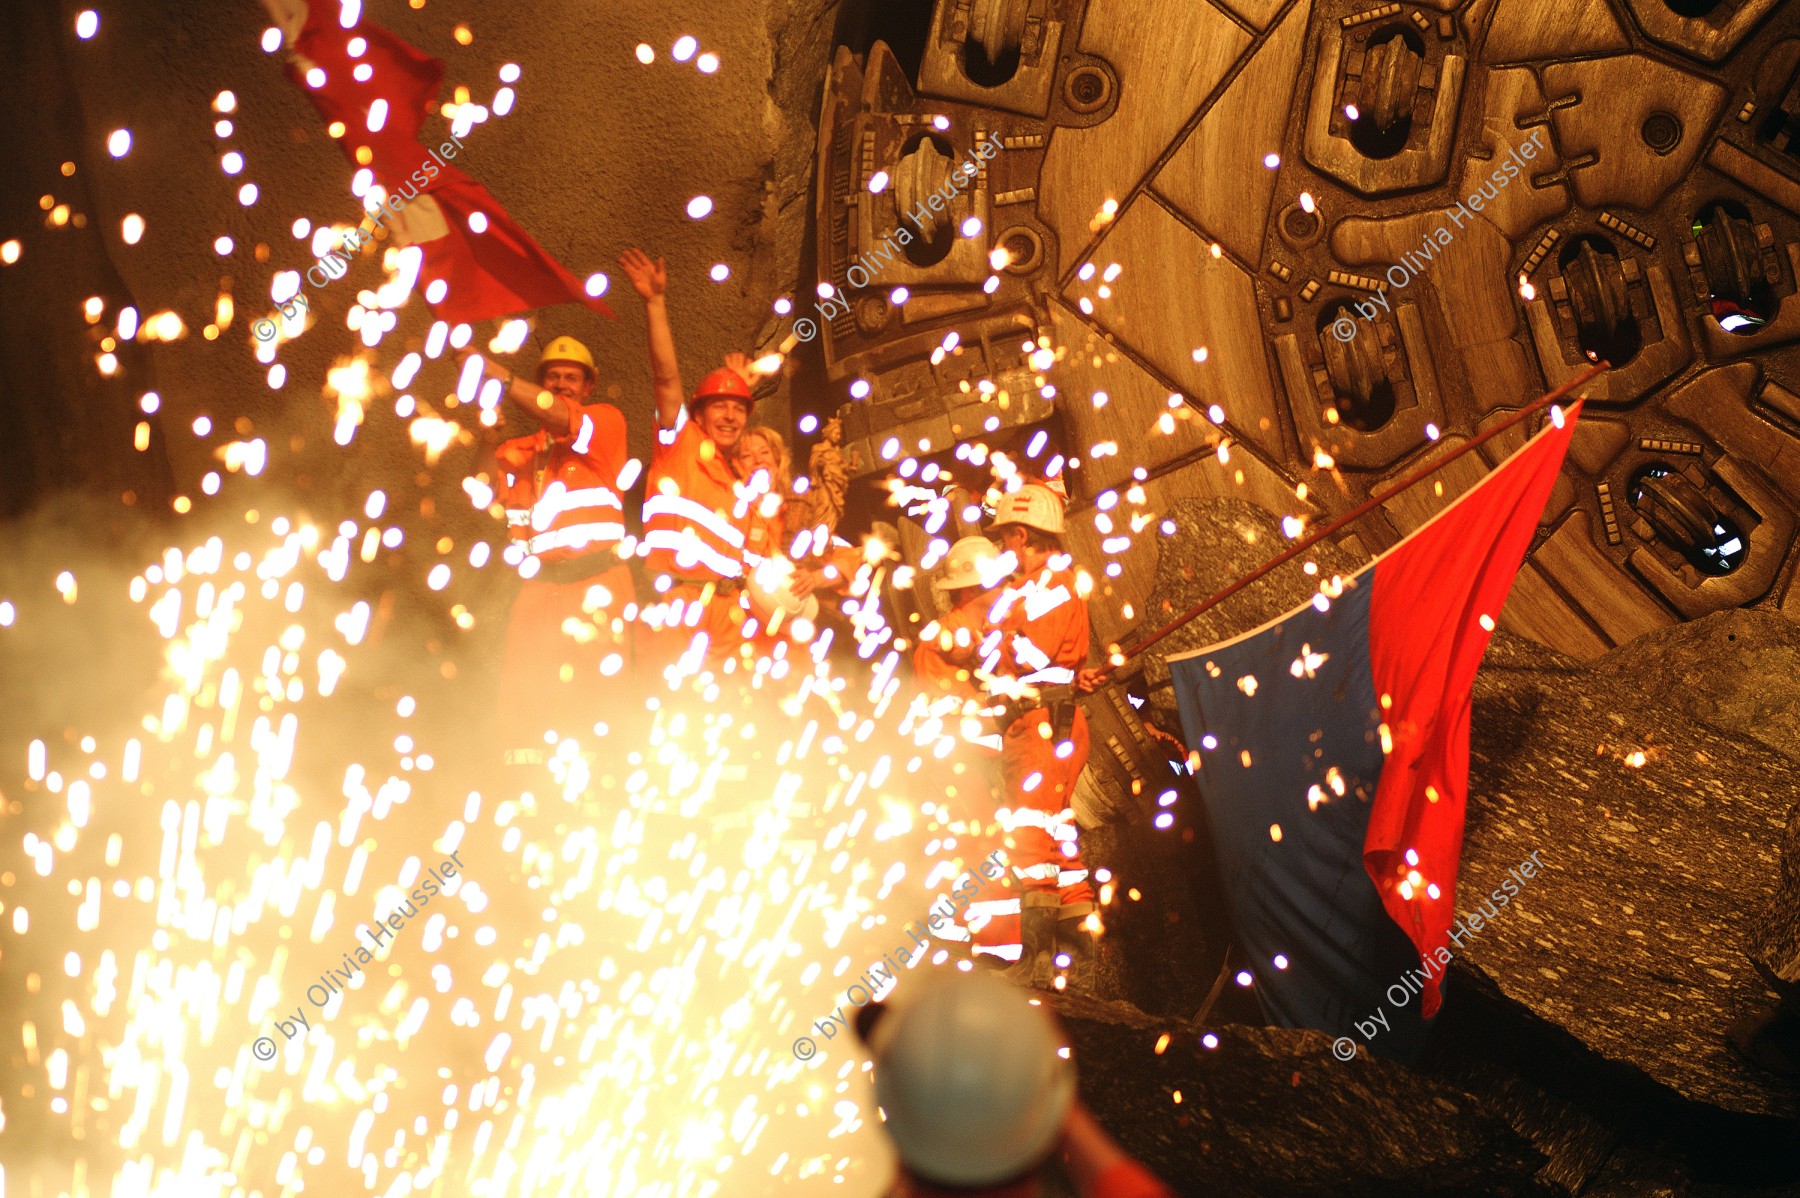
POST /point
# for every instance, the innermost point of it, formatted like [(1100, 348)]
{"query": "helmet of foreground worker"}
[(1034, 506), (723, 383), (771, 589), (971, 562), (970, 1077), (567, 349)]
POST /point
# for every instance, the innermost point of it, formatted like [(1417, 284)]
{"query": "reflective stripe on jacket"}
[(693, 525), (562, 493)]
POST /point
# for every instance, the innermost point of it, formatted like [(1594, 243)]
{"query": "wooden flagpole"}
[(1374, 501)]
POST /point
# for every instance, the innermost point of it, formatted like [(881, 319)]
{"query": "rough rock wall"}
[(1661, 828)]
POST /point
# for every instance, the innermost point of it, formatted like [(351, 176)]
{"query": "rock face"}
[(1660, 839), (1737, 672), (1269, 1111)]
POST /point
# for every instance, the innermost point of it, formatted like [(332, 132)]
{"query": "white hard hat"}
[(1034, 506), (771, 590), (971, 562), (970, 1077)]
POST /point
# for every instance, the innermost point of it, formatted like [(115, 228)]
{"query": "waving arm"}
[(651, 281)]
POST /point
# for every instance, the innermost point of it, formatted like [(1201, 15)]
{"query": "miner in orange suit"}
[(951, 715), (561, 487), (949, 646), (697, 506), (1041, 619)]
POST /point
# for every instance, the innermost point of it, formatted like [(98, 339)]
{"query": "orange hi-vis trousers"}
[(670, 621), (561, 646), (1037, 831)]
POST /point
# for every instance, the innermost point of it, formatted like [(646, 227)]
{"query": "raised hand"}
[(469, 351), (649, 279), (741, 364)]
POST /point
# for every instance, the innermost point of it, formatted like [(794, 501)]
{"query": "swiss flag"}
[(478, 263), (497, 271)]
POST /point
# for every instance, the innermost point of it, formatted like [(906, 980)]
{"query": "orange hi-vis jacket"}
[(949, 648), (1042, 626), (1043, 620), (562, 494), (694, 510)]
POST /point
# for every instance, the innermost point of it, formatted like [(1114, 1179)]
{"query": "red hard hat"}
[(723, 383)]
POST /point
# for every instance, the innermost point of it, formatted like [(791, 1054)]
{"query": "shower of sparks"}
[(608, 998), (607, 1003)]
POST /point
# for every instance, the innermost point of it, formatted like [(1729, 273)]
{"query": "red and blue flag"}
[(1335, 759)]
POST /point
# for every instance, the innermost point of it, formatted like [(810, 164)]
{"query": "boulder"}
[(1737, 672), (1660, 839), (1271, 1111)]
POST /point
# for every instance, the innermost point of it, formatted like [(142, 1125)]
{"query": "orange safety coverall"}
[(1043, 622), (944, 663), (765, 535), (696, 511), (564, 511)]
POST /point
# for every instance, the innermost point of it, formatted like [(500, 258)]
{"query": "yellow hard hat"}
[(567, 349)]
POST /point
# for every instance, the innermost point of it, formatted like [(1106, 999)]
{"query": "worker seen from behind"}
[(1041, 622), (561, 487), (979, 1098)]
